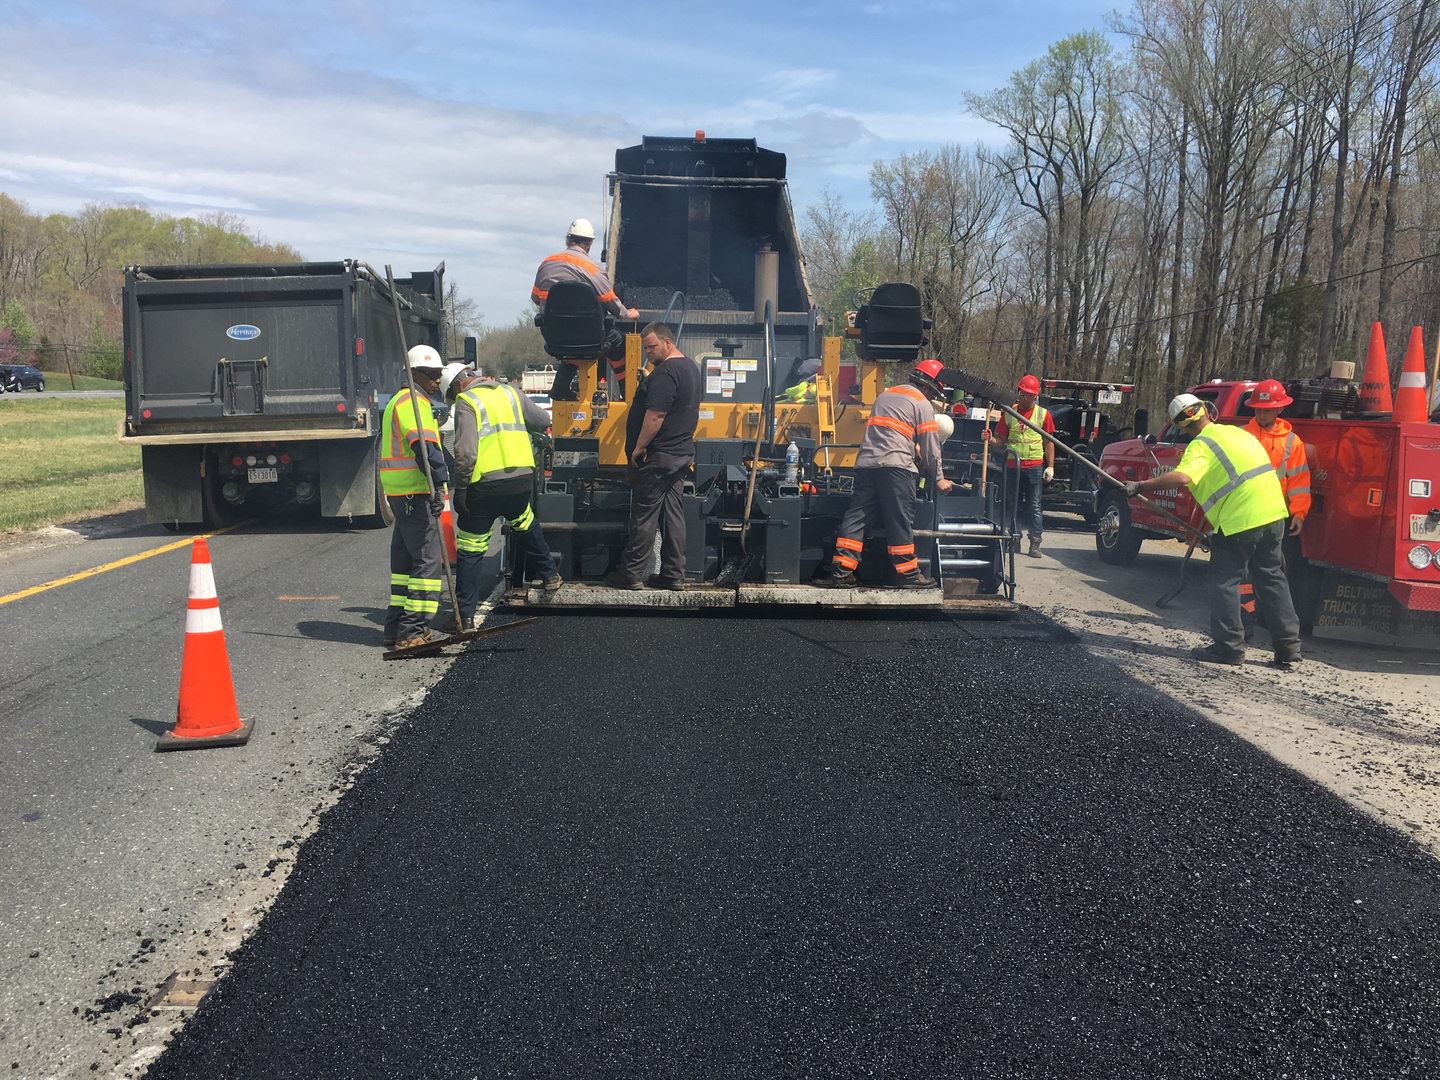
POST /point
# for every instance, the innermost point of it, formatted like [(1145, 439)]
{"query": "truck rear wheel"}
[(1117, 542)]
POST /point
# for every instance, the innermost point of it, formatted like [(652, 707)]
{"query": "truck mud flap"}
[(347, 477), (172, 484)]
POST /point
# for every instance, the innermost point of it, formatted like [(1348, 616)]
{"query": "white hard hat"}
[(582, 228), (453, 370), (423, 356), (945, 424), (1181, 402)]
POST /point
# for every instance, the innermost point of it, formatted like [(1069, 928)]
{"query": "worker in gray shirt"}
[(901, 429), (494, 477)]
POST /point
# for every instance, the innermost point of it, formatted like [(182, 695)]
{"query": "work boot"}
[(1215, 653), (553, 583), (655, 581), (390, 641), (409, 643), (838, 581), (917, 581), (616, 579), (1034, 551), (1286, 656), (451, 626)]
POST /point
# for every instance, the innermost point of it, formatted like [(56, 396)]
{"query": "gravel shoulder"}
[(1360, 720)]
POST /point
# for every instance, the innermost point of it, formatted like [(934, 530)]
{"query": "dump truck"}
[(258, 388), (701, 234), (1367, 565)]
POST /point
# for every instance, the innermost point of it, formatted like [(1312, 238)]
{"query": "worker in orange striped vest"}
[(1287, 454), (901, 439), (574, 264)]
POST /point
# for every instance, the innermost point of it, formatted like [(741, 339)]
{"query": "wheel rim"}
[(1108, 527)]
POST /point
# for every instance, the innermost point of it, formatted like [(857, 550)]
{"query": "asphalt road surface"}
[(118, 865), (736, 846)]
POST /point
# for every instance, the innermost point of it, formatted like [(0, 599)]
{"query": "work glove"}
[(1132, 488), (437, 503), (1048, 474)]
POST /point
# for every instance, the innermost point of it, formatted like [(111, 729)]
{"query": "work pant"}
[(656, 488), (1032, 488), (1257, 550), (473, 528), (883, 497), (1249, 611), (415, 553)]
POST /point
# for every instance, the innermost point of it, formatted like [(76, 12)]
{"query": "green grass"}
[(58, 380), (60, 461)]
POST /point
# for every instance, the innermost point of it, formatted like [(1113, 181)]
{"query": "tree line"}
[(61, 275), (1240, 189)]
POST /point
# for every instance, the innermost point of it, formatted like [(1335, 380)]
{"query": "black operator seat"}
[(573, 323), (892, 330)]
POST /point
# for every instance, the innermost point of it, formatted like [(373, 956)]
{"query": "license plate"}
[(264, 476), (1422, 528), (1109, 397)]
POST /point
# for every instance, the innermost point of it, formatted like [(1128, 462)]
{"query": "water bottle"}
[(792, 463)]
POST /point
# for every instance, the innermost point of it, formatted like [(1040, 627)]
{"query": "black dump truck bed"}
[(255, 387)]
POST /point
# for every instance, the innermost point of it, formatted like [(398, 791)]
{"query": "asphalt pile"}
[(880, 846)]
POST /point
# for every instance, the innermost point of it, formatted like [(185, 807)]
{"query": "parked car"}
[(543, 400), (17, 377)]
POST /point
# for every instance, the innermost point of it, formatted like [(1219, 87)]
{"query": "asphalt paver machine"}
[(701, 234)]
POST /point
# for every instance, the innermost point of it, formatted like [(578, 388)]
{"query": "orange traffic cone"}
[(1375, 387), (1410, 398), (206, 715), (447, 530)]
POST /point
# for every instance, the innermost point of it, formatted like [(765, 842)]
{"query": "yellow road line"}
[(110, 566)]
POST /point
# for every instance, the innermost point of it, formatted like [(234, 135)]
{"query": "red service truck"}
[(1368, 564)]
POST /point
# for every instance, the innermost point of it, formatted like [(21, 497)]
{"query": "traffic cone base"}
[(206, 714), (1410, 398), (1375, 382)]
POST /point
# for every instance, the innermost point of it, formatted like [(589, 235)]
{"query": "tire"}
[(219, 514), (384, 517), (1117, 542)]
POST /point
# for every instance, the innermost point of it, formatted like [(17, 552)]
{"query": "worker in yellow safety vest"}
[(1034, 454), (415, 544), (495, 473), (1232, 478)]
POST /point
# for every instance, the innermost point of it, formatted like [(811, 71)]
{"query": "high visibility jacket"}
[(573, 264), (901, 420), (1028, 445), (1287, 454), (399, 472), (1232, 479), (502, 445)]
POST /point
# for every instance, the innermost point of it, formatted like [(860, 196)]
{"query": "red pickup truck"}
[(1373, 527)]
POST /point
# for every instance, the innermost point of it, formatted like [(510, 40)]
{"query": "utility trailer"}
[(256, 388), (702, 234)]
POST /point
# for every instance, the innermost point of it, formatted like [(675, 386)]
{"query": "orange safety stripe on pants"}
[(1247, 597), (907, 566), (849, 562), (902, 549), (847, 544)]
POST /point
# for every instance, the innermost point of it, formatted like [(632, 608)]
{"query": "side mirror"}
[(1151, 440), (1142, 421)]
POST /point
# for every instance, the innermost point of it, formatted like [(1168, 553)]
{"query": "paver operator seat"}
[(574, 326)]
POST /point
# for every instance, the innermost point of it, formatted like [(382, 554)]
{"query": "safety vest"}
[(1239, 488), (399, 473), (1287, 454), (1027, 444), (504, 441)]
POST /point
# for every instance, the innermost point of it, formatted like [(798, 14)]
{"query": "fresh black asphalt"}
[(614, 846)]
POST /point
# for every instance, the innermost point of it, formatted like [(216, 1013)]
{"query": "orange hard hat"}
[(1029, 385), (1270, 394)]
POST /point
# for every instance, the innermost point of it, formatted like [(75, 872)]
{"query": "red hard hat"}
[(931, 368), (1270, 394), (1029, 385)]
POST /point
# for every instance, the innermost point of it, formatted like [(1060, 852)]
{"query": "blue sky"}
[(473, 132)]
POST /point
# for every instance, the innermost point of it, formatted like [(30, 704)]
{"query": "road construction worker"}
[(1036, 456), (901, 439), (660, 444), (415, 544), (494, 478), (574, 264), (1285, 448), (1230, 475)]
